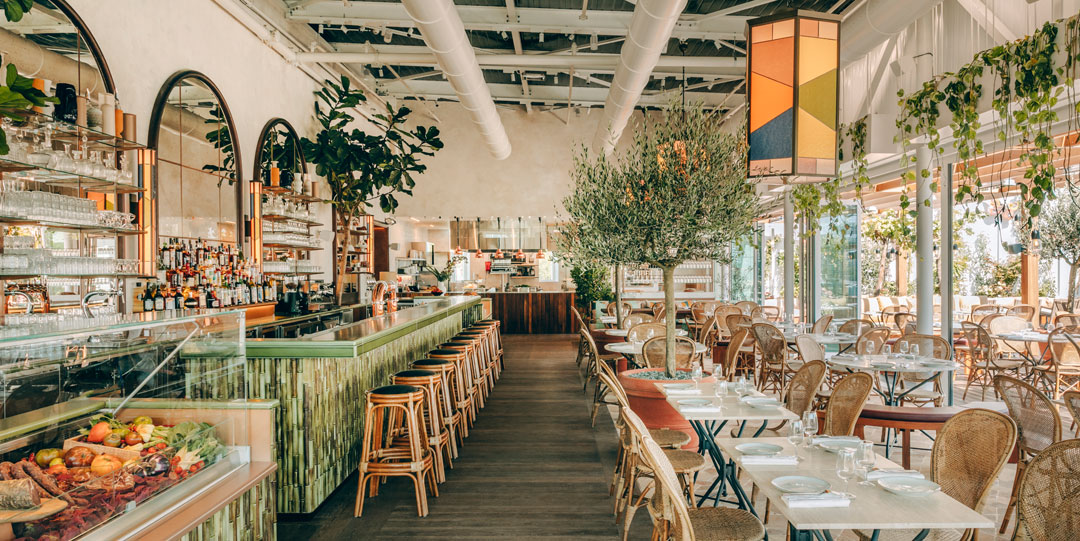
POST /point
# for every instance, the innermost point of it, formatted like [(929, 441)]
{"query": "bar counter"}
[(535, 312), (320, 380)]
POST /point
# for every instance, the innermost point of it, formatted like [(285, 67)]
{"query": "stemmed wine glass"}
[(795, 435), (810, 426), (696, 373), (845, 469), (903, 347), (865, 460)]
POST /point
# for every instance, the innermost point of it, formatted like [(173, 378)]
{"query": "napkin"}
[(828, 499), (682, 392), (818, 440), (699, 409), (775, 460), (874, 475)]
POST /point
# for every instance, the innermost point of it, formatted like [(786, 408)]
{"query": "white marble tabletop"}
[(622, 332), (729, 408), (872, 509), (894, 362), (634, 348)]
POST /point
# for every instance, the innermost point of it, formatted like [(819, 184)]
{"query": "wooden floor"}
[(533, 467)]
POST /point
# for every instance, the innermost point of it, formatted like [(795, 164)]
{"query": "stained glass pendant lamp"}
[(792, 89)]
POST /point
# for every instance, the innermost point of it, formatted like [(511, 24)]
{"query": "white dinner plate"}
[(763, 403), (678, 386), (762, 449), (908, 486), (834, 446), (694, 402), (883, 364), (935, 365), (800, 484)]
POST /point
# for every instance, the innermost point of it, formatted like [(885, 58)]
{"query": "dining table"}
[(623, 332), (708, 414), (871, 508), (892, 367), (635, 348)]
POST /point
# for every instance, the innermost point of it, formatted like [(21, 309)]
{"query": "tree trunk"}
[(618, 299), (881, 270), (669, 320), (341, 256), (1072, 284)]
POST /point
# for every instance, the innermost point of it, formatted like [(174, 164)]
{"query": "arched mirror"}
[(279, 169), (198, 175), (279, 158)]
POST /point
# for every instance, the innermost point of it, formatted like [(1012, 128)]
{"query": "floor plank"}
[(532, 468)]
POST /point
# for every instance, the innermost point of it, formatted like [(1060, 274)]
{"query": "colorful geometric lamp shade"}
[(792, 84)]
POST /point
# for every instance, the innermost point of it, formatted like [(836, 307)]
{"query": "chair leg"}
[(1012, 497), (361, 489)]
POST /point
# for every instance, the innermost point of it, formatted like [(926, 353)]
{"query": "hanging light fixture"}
[(540, 252), (479, 252), (519, 254), (458, 251), (498, 248), (792, 94)]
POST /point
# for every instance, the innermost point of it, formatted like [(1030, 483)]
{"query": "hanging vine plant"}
[(814, 201), (1027, 88)]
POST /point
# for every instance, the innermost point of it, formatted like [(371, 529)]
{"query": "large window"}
[(746, 275), (547, 268), (839, 273), (462, 271)]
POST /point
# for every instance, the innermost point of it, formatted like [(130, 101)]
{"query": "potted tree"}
[(679, 192), (360, 167)]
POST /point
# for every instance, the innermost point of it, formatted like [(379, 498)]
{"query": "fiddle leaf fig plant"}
[(364, 167), (15, 9), (17, 95)]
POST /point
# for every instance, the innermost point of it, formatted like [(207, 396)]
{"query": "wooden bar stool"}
[(496, 325), (483, 358), (452, 416), (395, 409), (472, 351), (467, 403), (490, 341), (437, 435)]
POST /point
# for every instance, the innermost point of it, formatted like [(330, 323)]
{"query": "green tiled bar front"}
[(320, 382), (251, 517)]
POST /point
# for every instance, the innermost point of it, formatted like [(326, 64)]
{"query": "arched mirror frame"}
[(90, 43), (256, 184), (153, 141)]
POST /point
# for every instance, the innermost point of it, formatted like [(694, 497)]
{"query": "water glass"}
[(721, 389), (810, 425), (915, 350), (903, 347), (696, 373), (865, 460), (795, 434), (845, 468), (886, 349)]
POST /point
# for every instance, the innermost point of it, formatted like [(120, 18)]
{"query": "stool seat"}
[(431, 362), (395, 389), (414, 373), (441, 351)]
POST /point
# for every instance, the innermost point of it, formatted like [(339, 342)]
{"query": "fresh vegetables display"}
[(97, 483)]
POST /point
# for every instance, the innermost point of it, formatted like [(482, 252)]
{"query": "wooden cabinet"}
[(533, 313)]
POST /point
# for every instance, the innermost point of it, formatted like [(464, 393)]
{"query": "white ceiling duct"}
[(650, 29), (444, 34), (876, 21)]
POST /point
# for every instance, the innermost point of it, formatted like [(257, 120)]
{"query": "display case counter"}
[(320, 380), (126, 426), (536, 312)]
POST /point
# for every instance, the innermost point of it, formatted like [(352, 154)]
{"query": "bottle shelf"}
[(67, 132), (296, 247), (64, 179), (283, 218), (91, 229)]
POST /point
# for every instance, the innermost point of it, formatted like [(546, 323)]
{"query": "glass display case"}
[(110, 429)]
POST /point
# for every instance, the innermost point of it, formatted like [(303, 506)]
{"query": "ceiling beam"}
[(511, 15), (988, 20), (548, 94), (493, 18), (743, 6), (718, 65)]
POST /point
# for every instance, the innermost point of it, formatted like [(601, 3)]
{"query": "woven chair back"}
[(655, 352), (1023, 311), (1067, 320), (1047, 505), (746, 307), (846, 403), (1064, 349), (673, 502), (856, 327), (626, 308), (771, 342), (1036, 417), (809, 348), (822, 325), (645, 331), (981, 311), (902, 319), (804, 386), (731, 356), (1009, 324), (771, 313), (709, 332), (981, 347), (870, 341), (929, 345), (636, 318), (968, 454)]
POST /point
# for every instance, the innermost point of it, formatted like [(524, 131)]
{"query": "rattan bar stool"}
[(452, 417), (497, 334), (395, 409), (484, 357), (488, 332), (437, 436), (473, 353), (467, 401)]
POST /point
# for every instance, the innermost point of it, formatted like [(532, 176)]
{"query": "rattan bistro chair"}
[(636, 318), (1047, 505), (822, 324), (978, 313), (1037, 420), (985, 363), (673, 519), (774, 367), (1063, 371), (1023, 311), (1067, 320), (932, 346), (846, 403), (644, 331), (967, 456), (1072, 403), (655, 351), (800, 393), (871, 341), (724, 369)]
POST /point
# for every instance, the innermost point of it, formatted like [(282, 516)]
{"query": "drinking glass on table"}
[(845, 469), (810, 425), (795, 434), (903, 347), (915, 350), (865, 460), (886, 349), (696, 373), (721, 390)]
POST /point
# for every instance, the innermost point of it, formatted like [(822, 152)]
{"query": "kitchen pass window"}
[(547, 269)]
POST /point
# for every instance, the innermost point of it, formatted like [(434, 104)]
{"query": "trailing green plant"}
[(919, 114), (814, 201), (443, 274), (221, 138), (17, 96), (360, 167)]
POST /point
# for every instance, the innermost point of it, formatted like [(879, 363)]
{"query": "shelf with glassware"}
[(358, 246), (690, 275), (57, 184), (288, 236)]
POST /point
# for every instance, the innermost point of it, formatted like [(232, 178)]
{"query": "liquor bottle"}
[(148, 299), (170, 300), (159, 301), (190, 301)]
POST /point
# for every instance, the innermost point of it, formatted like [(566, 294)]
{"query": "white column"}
[(924, 244), (789, 256)]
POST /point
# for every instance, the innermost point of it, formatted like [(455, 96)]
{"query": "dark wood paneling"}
[(382, 250), (533, 313)]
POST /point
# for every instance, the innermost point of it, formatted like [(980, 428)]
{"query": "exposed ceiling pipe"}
[(876, 21), (650, 30), (444, 34)]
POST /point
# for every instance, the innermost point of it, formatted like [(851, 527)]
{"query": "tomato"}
[(132, 438), (98, 432), (113, 440)]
